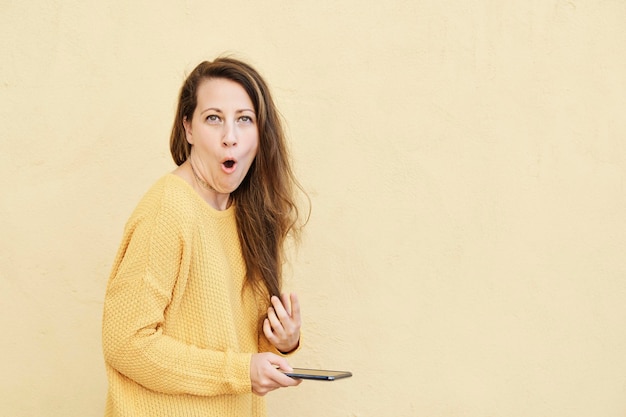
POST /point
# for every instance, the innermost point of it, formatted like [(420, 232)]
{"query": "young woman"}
[(194, 321)]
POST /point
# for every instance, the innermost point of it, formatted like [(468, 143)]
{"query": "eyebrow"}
[(220, 111)]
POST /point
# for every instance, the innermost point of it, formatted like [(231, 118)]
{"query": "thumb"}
[(281, 363)]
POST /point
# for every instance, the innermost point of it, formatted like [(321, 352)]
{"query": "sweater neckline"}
[(200, 201)]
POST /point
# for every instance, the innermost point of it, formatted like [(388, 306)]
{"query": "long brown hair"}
[(266, 211)]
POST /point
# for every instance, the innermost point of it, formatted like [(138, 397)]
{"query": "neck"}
[(200, 181), (210, 194)]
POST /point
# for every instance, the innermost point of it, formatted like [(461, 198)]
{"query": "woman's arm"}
[(140, 290), (135, 346)]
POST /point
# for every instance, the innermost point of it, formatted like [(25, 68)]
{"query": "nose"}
[(230, 135)]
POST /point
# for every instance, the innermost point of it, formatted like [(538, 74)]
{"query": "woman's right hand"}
[(266, 373)]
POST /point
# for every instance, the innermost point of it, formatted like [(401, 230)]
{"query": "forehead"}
[(222, 93)]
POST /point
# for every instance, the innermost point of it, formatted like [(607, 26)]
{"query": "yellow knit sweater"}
[(180, 323)]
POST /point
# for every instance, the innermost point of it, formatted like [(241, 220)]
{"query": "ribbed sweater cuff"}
[(238, 370)]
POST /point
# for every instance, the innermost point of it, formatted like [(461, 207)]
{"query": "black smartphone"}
[(318, 374)]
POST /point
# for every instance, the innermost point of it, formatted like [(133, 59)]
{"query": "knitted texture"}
[(180, 323)]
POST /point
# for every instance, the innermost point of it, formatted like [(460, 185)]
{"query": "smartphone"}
[(318, 374)]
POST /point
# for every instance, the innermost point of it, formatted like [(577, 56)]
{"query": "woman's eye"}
[(213, 118), (246, 119)]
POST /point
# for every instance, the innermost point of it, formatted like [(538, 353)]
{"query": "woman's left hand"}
[(282, 325)]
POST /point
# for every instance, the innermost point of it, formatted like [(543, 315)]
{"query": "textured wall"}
[(466, 162)]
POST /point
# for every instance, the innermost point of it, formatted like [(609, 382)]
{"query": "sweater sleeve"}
[(266, 346), (140, 289)]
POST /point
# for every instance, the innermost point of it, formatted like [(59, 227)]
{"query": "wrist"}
[(287, 351)]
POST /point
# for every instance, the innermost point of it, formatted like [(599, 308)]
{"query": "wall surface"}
[(466, 162)]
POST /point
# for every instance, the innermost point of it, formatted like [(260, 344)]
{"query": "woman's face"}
[(224, 134)]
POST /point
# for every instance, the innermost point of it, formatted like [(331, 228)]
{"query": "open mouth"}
[(229, 165)]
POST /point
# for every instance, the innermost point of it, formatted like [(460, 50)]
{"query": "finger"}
[(279, 308), (280, 363), (279, 376), (286, 381), (287, 324), (267, 330), (275, 321), (286, 303), (295, 308), (274, 335)]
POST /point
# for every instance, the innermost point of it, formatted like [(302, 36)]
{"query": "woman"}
[(194, 322)]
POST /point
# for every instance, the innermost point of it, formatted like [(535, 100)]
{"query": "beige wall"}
[(466, 161)]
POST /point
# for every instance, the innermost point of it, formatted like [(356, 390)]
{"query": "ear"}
[(187, 127)]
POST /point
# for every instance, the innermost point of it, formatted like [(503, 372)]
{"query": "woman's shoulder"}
[(170, 198), (176, 190)]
